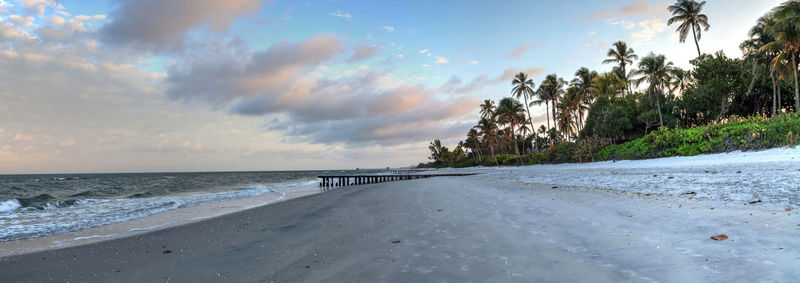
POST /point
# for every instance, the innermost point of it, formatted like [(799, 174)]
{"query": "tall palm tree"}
[(655, 70), (511, 112), (584, 78), (566, 105), (551, 90), (523, 87), (751, 48), (786, 31), (688, 14), (622, 55), (543, 96), (473, 143), (487, 109), (488, 131)]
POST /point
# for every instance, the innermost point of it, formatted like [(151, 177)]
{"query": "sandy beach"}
[(468, 229)]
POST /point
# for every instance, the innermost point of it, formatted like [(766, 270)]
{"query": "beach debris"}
[(739, 172), (167, 252), (308, 266), (554, 187), (719, 237), (439, 209), (754, 202), (690, 193), (788, 209), (654, 175), (395, 242), (671, 177)]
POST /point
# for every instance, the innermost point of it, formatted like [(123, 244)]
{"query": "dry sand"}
[(459, 229)]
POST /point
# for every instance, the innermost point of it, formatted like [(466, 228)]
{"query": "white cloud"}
[(37, 6), (4, 7), (388, 28), (648, 32), (90, 18), (472, 62), (340, 14), (423, 51), (441, 60), (56, 21), (400, 56), (21, 21), (425, 65)]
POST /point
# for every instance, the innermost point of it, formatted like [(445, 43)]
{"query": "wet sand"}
[(463, 229)]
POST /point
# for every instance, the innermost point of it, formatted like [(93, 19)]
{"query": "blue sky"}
[(183, 85)]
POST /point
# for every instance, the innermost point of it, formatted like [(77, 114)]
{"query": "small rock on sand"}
[(719, 237)]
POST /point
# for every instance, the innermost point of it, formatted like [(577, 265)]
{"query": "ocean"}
[(34, 206)]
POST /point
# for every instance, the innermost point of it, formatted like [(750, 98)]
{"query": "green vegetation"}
[(649, 108)]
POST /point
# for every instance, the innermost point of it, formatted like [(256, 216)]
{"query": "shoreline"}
[(451, 228), (150, 223)]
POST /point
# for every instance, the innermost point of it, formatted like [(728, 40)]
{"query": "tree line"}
[(639, 95)]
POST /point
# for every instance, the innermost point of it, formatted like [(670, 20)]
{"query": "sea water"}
[(34, 206)]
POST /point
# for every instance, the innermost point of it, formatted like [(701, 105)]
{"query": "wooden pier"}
[(353, 180)]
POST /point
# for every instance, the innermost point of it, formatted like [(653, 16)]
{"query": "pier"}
[(353, 180)]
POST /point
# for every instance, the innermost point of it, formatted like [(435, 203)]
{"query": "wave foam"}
[(9, 205)]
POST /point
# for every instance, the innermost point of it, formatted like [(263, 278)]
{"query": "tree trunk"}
[(658, 105), (774, 95), (780, 103), (530, 119), (514, 140), (796, 90), (555, 125), (547, 113), (491, 149), (695, 42)]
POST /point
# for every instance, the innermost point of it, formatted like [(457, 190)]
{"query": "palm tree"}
[(751, 48), (566, 105), (687, 13), (551, 90), (786, 31), (681, 80), (655, 70), (606, 85), (473, 143), (487, 109), (584, 78), (511, 112), (488, 130), (622, 55), (523, 87)]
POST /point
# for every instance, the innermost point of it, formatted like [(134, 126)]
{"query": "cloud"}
[(21, 21), (472, 62), (388, 28), (456, 85), (221, 79), (362, 52), (340, 14), (423, 51), (162, 25), (517, 52), (648, 32), (441, 60), (10, 32), (4, 7), (56, 21), (37, 6), (90, 18), (635, 8)]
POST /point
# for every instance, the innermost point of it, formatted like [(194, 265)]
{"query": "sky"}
[(249, 85)]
